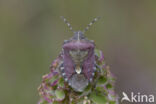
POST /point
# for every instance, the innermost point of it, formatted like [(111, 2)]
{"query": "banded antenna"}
[(68, 24), (91, 23)]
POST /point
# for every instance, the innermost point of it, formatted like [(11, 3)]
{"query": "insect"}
[(79, 65), (79, 75)]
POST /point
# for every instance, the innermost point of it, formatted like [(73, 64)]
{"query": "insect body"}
[(78, 59), (78, 73)]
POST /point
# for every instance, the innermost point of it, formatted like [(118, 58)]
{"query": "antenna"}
[(68, 24), (91, 23)]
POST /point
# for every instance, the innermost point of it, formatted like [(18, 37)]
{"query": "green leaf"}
[(102, 80), (98, 98), (61, 82), (53, 79), (97, 52), (60, 94), (55, 102), (112, 102), (109, 86)]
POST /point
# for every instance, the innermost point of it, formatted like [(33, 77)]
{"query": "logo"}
[(137, 98)]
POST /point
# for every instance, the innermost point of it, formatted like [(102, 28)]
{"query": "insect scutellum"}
[(78, 67)]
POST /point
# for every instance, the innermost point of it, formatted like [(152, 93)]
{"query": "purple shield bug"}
[(78, 59)]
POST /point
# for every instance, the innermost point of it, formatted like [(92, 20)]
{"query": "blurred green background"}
[(32, 33)]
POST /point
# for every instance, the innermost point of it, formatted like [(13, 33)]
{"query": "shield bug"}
[(79, 66), (79, 74)]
